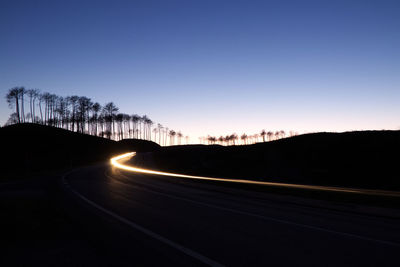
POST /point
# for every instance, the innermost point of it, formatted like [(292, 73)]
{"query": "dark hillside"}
[(368, 159), (27, 148), (138, 145)]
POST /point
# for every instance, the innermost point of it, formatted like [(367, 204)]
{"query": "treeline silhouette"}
[(244, 139), (81, 114)]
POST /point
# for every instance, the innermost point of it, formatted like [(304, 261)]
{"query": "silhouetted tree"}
[(95, 116), (110, 110), (159, 126), (21, 94), (263, 133), (40, 101), (12, 98), (36, 94), (211, 139), (149, 123), (84, 105), (244, 138), (180, 135), (31, 94), (127, 125), (232, 139), (118, 120), (221, 140), (135, 120), (172, 134), (82, 115), (62, 111), (13, 119), (155, 130), (166, 134), (277, 134), (270, 135), (141, 126)]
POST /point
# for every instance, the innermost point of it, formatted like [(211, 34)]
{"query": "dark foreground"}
[(165, 221), (104, 217)]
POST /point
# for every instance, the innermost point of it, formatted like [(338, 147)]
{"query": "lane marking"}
[(266, 218), (115, 163), (146, 231)]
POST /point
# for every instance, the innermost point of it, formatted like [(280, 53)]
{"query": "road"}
[(168, 220)]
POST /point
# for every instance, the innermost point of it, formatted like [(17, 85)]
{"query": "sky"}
[(213, 67)]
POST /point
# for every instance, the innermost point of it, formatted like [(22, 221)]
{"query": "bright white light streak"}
[(115, 163)]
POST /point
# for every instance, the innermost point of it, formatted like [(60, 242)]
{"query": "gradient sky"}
[(213, 67)]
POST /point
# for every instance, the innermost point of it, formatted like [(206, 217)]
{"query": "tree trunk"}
[(17, 109)]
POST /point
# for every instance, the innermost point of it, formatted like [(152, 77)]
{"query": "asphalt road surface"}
[(172, 221)]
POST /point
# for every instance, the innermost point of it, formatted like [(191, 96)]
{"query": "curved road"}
[(187, 222)]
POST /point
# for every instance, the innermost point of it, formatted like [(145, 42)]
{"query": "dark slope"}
[(368, 159), (27, 148), (42, 223), (129, 145)]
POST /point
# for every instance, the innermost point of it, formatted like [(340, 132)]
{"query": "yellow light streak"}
[(126, 156)]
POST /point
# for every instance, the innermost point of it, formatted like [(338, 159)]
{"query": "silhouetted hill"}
[(32, 147), (138, 145), (368, 159)]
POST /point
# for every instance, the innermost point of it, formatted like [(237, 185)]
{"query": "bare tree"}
[(244, 138), (36, 95), (166, 134), (172, 134), (282, 133), (12, 98), (31, 94), (160, 127), (13, 119), (21, 94), (149, 124), (110, 109), (84, 104), (62, 111), (277, 134), (155, 130), (81, 114), (135, 119), (211, 139), (41, 99), (127, 125), (95, 116), (119, 119), (180, 135), (233, 137), (269, 135), (73, 102), (221, 140), (263, 133)]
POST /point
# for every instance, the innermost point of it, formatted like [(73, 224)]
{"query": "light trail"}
[(126, 156)]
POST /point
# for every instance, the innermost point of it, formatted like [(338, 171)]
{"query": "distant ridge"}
[(367, 159)]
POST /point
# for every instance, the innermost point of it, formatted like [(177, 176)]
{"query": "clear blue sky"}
[(213, 67)]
